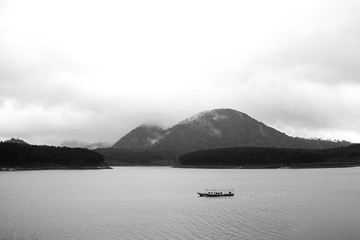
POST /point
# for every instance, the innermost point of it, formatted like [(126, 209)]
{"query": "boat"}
[(217, 193)]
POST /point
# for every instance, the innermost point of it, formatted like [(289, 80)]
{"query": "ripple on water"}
[(121, 204)]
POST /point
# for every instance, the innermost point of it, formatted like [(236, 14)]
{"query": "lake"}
[(161, 203)]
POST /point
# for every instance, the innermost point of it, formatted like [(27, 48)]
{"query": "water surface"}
[(161, 203)]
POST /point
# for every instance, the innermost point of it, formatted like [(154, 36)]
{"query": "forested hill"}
[(273, 157), (26, 156), (218, 128)]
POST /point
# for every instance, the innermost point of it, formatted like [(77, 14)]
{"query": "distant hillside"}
[(141, 137), (74, 144), (26, 156), (218, 128), (79, 144), (16, 140), (96, 145), (253, 157)]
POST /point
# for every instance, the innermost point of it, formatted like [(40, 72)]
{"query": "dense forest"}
[(136, 157), (26, 156), (273, 157)]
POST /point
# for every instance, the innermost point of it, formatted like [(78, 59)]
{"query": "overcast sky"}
[(94, 70)]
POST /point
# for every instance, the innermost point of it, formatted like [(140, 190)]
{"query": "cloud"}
[(35, 121), (89, 71)]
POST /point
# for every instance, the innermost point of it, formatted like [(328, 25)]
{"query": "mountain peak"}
[(143, 136), (216, 128), (17, 140), (150, 125), (213, 115)]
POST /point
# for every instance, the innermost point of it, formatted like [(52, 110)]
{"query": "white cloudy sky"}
[(94, 70)]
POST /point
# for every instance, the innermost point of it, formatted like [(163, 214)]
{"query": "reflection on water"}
[(161, 203)]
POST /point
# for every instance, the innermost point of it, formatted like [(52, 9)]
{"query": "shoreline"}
[(255, 166), (10, 169), (275, 166)]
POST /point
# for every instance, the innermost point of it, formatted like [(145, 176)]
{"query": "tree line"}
[(125, 157), (22, 155), (239, 156)]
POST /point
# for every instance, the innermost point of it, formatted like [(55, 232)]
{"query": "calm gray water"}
[(161, 203)]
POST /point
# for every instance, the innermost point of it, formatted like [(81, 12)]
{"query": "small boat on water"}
[(216, 193)]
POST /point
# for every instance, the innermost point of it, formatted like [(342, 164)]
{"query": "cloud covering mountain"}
[(92, 71), (219, 128)]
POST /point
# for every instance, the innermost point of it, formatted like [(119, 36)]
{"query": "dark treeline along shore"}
[(137, 157), (18, 156), (255, 157), (216, 138)]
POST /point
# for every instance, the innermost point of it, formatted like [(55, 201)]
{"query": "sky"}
[(93, 70)]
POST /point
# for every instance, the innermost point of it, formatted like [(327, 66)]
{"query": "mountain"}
[(219, 128), (141, 137), (16, 140), (74, 144), (93, 146), (79, 144)]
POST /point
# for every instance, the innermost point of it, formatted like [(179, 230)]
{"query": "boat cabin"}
[(216, 193)]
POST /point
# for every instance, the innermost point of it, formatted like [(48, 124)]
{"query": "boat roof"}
[(220, 190)]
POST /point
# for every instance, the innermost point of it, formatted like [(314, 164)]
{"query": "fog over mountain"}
[(219, 128), (92, 71), (79, 144)]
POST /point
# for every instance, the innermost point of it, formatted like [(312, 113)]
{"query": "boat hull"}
[(215, 195)]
